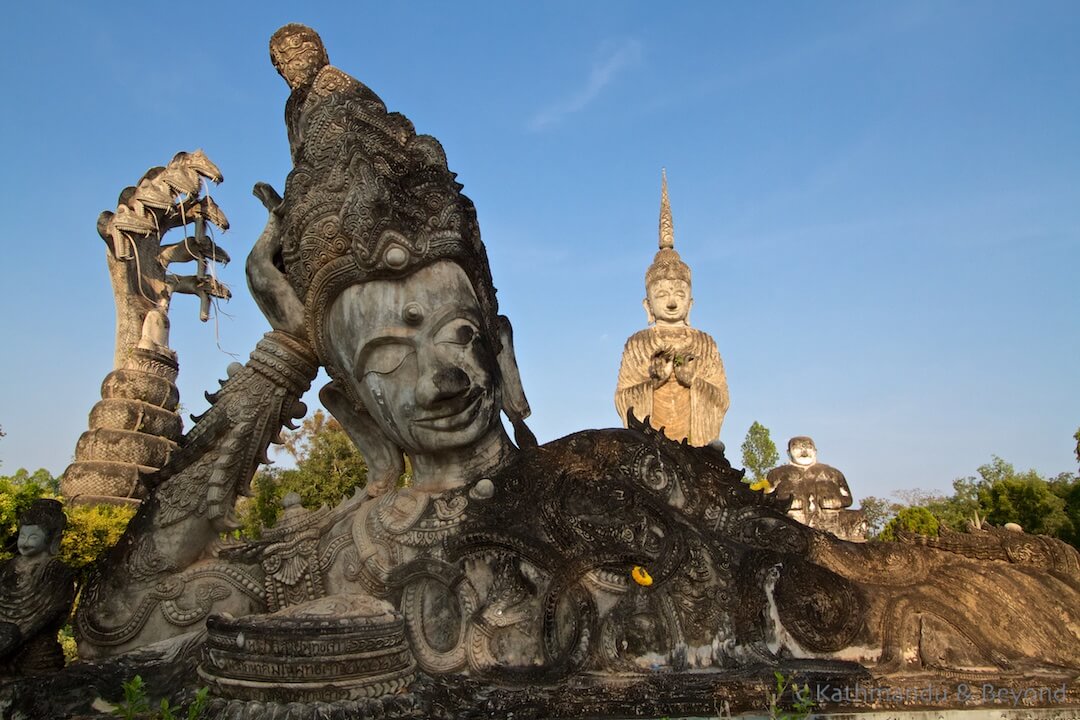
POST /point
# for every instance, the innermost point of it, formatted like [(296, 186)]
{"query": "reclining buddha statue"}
[(610, 550)]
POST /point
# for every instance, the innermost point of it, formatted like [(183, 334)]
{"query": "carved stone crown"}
[(667, 265), (46, 513), (369, 199), (297, 52)]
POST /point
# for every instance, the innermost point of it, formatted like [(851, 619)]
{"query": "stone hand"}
[(266, 275), (660, 370), (685, 369)]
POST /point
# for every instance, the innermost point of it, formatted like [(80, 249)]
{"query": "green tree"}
[(955, 511), (917, 520), (1067, 487), (999, 494), (759, 453), (328, 467), (878, 513), (1005, 496)]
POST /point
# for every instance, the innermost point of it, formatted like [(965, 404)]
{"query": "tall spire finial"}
[(667, 228), (667, 265)]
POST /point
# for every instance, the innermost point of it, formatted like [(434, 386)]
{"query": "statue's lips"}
[(453, 415)]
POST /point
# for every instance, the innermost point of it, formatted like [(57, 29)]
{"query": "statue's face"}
[(803, 454), (669, 301), (417, 356), (298, 58), (33, 540)]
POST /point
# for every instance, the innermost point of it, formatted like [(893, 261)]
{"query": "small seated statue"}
[(36, 594), (672, 373), (819, 493)]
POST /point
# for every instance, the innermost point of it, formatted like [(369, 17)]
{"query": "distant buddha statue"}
[(36, 593), (819, 493), (670, 372)]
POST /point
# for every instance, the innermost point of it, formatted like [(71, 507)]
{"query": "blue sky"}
[(880, 202)]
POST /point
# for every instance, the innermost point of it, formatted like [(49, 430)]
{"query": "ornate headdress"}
[(297, 51), (47, 514), (667, 265), (367, 198)]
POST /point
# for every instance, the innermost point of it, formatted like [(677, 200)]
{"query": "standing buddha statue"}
[(670, 372)]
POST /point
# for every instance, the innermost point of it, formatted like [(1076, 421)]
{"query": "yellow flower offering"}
[(762, 484), (641, 576)]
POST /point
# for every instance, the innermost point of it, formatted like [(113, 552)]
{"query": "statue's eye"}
[(385, 359), (457, 332)]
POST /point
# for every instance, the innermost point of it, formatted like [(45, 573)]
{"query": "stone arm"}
[(636, 382), (163, 576), (163, 555), (709, 400)]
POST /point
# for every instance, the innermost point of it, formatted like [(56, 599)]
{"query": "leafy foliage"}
[(802, 701), (1068, 489), (1023, 498), (136, 704), (998, 494), (17, 492), (759, 453), (328, 467), (91, 529), (878, 512), (66, 638), (917, 520)]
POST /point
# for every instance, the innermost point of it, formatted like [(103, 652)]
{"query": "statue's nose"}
[(446, 383), (672, 304)]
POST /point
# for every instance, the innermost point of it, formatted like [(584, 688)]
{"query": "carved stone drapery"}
[(671, 374)]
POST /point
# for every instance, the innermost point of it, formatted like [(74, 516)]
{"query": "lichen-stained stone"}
[(817, 494), (334, 648), (505, 564)]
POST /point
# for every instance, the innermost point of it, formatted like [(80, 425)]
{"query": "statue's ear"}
[(384, 460), (54, 542), (515, 405), (648, 311)]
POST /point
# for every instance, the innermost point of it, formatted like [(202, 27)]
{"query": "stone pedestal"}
[(335, 648)]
